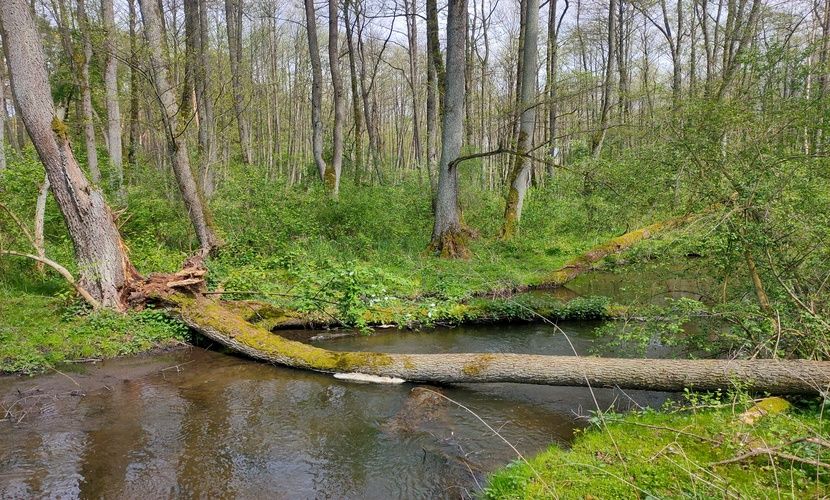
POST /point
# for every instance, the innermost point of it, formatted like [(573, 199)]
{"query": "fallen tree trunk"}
[(221, 325), (585, 262)]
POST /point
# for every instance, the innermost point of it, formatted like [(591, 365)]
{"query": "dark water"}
[(197, 423)]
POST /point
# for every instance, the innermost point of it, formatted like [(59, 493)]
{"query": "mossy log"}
[(585, 262), (218, 323)]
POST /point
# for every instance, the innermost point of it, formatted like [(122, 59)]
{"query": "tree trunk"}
[(197, 69), (432, 97), (176, 145), (113, 108), (233, 18), (599, 136), (520, 173), (356, 109), (132, 149), (316, 89), (776, 376), (435, 50), (105, 268), (40, 216), (332, 173), (448, 234), (553, 74), (584, 262), (412, 45), (2, 116), (86, 94)]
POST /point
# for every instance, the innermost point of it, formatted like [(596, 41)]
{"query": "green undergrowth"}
[(38, 332), (673, 454)]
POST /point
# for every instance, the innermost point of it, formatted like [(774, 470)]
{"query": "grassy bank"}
[(711, 450)]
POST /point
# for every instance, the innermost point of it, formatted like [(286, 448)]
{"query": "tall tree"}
[(332, 173), (233, 22), (519, 178), (448, 234), (132, 148), (173, 129), (105, 269), (197, 68), (599, 136), (554, 27), (316, 88), (86, 93), (357, 117), (113, 108), (2, 116)]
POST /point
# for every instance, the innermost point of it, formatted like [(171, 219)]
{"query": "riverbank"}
[(713, 447)]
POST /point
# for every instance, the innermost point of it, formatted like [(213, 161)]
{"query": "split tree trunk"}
[(113, 108), (448, 234), (776, 376), (176, 145), (104, 266), (520, 173)]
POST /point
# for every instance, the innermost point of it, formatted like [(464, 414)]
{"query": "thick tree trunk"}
[(113, 108), (776, 376), (332, 173), (519, 178), (316, 89), (86, 95), (233, 19), (176, 145), (448, 233), (105, 268)]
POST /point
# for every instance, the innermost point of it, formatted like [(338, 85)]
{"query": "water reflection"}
[(220, 426)]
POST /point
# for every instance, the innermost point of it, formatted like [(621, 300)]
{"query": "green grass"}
[(38, 332), (670, 454)]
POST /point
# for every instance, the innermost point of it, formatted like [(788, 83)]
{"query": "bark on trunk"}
[(599, 136), (176, 145), (316, 89), (520, 173), (356, 108), (40, 216), (776, 376), (233, 18), (113, 108), (132, 149), (332, 173), (105, 268), (448, 234), (86, 95)]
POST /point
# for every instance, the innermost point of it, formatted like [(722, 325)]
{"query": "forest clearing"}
[(372, 249)]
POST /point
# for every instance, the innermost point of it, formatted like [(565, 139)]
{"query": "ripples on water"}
[(214, 425)]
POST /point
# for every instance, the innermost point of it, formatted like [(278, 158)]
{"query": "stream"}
[(200, 423)]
